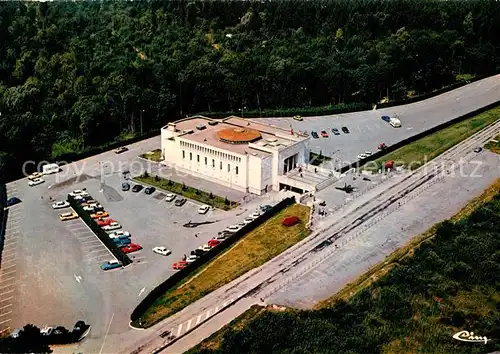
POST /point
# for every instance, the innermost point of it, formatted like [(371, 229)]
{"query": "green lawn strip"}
[(494, 146), (189, 192), (427, 148), (253, 250), (154, 155)]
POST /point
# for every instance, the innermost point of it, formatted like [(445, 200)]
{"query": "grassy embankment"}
[(260, 245), (427, 148), (189, 192), (494, 145), (439, 297), (153, 155)]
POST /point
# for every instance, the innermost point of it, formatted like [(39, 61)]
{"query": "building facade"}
[(242, 154)]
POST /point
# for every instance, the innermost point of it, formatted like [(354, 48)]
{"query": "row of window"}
[(207, 151), (206, 161)]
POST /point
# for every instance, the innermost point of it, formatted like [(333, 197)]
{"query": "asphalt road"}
[(367, 129)]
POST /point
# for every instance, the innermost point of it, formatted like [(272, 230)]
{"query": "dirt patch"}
[(71, 181), (110, 193)]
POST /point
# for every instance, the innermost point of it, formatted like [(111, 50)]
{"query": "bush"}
[(146, 174), (290, 221), (226, 201), (157, 179), (211, 196)]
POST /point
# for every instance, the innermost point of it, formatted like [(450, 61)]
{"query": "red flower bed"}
[(290, 220)]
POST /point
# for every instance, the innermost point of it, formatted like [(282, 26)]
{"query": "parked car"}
[(386, 118), (83, 198), (78, 192), (121, 149), (35, 175), (60, 205), (382, 146), (362, 156), (68, 216), (137, 188), (205, 248), (149, 190), (164, 251), (113, 264), (179, 265), (197, 252), (324, 134), (221, 237), (122, 239), (125, 186), (255, 215), (213, 243), (265, 208), (112, 226), (119, 233), (368, 153), (232, 228), (170, 197), (12, 201), (79, 329), (180, 202), (314, 135), (478, 149), (248, 220), (104, 222), (99, 215), (299, 118), (191, 258), (335, 131), (47, 330), (16, 332), (345, 130), (133, 247), (36, 182), (203, 209), (92, 207)]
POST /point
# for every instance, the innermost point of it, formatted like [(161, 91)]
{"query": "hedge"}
[(99, 232), (177, 277)]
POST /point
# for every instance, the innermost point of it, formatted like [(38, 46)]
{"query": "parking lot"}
[(57, 279)]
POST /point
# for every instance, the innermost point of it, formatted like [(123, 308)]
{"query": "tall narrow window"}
[(206, 160), (190, 156), (213, 163), (221, 165), (197, 158), (228, 168), (236, 169), (183, 154)]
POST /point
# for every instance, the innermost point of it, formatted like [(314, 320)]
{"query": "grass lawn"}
[(154, 155), (494, 146), (188, 192), (317, 159), (423, 150), (253, 250)]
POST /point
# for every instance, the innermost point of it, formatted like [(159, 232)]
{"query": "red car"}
[(104, 222), (324, 134), (133, 247), (179, 265), (213, 242)]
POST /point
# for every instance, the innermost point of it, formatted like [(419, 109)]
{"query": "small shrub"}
[(146, 174), (211, 196), (157, 179), (184, 186), (226, 201), (169, 183), (198, 192), (290, 221)]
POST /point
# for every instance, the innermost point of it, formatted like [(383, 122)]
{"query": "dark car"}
[(79, 326), (386, 118), (79, 330), (345, 130), (335, 131), (85, 199), (314, 135), (180, 202), (478, 149), (120, 150), (265, 208), (125, 186), (13, 201), (197, 252), (149, 190), (137, 188)]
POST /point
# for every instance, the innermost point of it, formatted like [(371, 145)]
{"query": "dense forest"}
[(80, 74), (452, 283)]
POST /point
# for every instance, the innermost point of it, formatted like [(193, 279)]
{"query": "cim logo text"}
[(466, 336)]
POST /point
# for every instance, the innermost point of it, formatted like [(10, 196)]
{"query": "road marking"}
[(5, 329), (6, 286), (78, 278), (142, 290), (7, 299), (189, 325), (96, 250), (10, 255), (7, 292), (5, 314), (198, 319), (179, 330), (4, 307), (5, 321), (84, 242), (8, 279), (12, 271), (107, 332)]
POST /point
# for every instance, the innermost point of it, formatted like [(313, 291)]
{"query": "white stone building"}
[(242, 154)]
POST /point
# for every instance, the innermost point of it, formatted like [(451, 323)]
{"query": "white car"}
[(191, 258), (205, 248), (60, 205), (164, 251), (35, 175), (91, 207), (203, 209), (170, 197), (232, 228), (78, 192), (36, 182), (368, 153), (112, 226), (248, 220), (362, 156), (47, 330), (119, 233)]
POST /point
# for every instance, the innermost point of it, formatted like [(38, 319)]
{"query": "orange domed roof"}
[(238, 135)]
